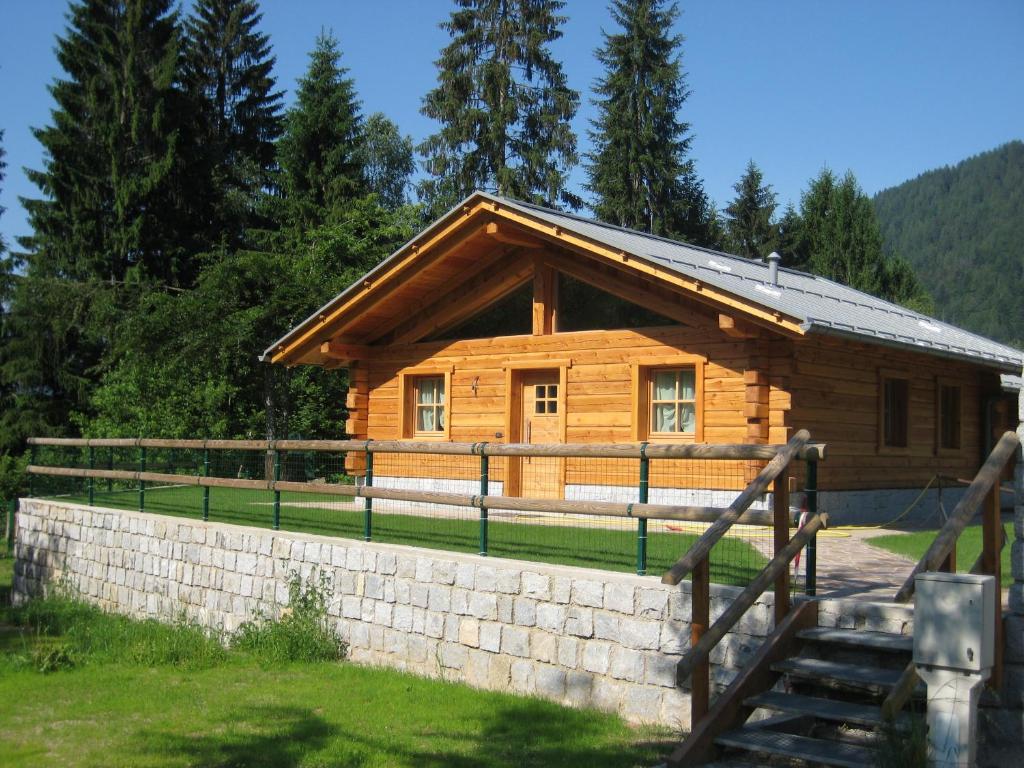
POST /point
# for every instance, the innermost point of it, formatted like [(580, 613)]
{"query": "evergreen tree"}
[(228, 65), (752, 232), (790, 243), (504, 107), (387, 160), (840, 239), (639, 170), (114, 218), (320, 152)]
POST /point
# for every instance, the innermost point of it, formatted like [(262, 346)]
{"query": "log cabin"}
[(505, 321)]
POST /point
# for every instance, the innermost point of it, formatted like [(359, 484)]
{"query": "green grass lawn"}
[(184, 701), (733, 560), (914, 545)]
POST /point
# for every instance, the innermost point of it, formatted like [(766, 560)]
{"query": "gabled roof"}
[(818, 304)]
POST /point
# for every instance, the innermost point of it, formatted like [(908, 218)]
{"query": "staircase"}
[(826, 705)]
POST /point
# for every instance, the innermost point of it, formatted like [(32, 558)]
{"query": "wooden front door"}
[(540, 422)]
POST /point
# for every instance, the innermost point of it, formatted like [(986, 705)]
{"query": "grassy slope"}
[(914, 545), (733, 561), (227, 709)]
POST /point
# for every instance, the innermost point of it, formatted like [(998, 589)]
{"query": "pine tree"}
[(320, 149), (387, 159), (504, 107), (752, 232), (841, 240), (112, 220), (228, 66), (639, 170)]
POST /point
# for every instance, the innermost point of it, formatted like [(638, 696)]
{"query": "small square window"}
[(428, 401), (673, 398)]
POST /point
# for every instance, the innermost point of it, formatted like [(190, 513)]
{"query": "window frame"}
[(408, 388), (942, 383), (643, 372), (884, 375)]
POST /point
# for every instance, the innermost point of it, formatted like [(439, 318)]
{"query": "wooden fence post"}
[(780, 499), (700, 686)]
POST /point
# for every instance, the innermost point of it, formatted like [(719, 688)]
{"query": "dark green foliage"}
[(961, 228), (839, 239), (236, 113), (387, 158), (320, 149), (749, 217), (503, 105), (301, 633), (582, 307), (639, 170)]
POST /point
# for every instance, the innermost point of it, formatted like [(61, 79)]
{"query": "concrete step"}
[(857, 638), (863, 715), (834, 753), (875, 679)]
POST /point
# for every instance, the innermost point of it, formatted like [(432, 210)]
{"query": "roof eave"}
[(1006, 365)]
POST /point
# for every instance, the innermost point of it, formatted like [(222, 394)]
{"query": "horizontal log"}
[(708, 451), (702, 547), (987, 478), (745, 599)]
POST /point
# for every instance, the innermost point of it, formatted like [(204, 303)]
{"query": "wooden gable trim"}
[(703, 292), (412, 259)]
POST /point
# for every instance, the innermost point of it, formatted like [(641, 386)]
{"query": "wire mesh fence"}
[(454, 501)]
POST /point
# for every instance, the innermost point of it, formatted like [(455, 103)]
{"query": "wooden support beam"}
[(511, 235), (736, 329), (485, 288), (545, 298), (991, 565), (339, 350)]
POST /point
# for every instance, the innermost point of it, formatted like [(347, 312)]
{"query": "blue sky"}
[(886, 89)]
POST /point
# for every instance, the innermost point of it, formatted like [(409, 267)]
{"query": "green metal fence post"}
[(368, 502), (277, 493), (206, 488), (811, 490), (641, 524), (12, 507), (92, 481), (142, 483), (485, 477)]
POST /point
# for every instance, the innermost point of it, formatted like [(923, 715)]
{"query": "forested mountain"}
[(962, 230)]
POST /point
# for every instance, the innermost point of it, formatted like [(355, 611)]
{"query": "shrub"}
[(301, 632)]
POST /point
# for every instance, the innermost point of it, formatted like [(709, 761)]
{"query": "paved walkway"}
[(850, 567)]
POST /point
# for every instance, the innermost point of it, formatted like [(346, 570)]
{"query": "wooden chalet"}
[(504, 321)]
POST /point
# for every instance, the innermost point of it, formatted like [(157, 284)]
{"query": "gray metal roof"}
[(821, 305), (1011, 383)]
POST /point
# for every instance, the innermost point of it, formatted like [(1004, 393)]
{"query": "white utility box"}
[(954, 614)]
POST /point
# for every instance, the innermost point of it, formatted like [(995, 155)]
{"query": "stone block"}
[(596, 657), (504, 604), (561, 589), (483, 606), (387, 563), (606, 626), (550, 681), (544, 646), (626, 664), (524, 612), (440, 598), (522, 676), (578, 688), (551, 617), (477, 669), (373, 586), (515, 641), (640, 635), (464, 573), (588, 593), (434, 624), (508, 581), (460, 601), (424, 569), (579, 622), (607, 695), (652, 603), (619, 597), (486, 579), (469, 632), (490, 637), (643, 705), (536, 586), (401, 618), (568, 652), (499, 672), (419, 594), (444, 572), (453, 655)]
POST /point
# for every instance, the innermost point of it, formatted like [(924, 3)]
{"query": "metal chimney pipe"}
[(773, 267)]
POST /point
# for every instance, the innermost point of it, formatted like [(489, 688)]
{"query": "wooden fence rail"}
[(724, 451)]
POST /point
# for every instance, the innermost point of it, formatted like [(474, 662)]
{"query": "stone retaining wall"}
[(573, 635)]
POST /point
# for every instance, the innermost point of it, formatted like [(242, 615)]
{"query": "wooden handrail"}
[(711, 451), (702, 547), (945, 541), (509, 503), (700, 652)]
